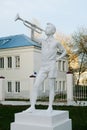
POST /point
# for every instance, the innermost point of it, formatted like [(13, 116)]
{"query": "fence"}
[(80, 93), (61, 96), (70, 93)]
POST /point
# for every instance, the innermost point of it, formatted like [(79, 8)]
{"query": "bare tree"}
[(66, 42), (79, 42)]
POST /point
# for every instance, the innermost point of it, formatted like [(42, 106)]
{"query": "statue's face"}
[(49, 30)]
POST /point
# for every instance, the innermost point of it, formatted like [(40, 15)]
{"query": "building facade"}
[(19, 58)]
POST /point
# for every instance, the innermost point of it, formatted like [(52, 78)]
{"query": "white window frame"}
[(64, 66), (1, 62), (56, 86), (59, 65), (9, 86), (17, 61), (9, 62), (17, 86), (64, 85), (60, 86), (43, 87)]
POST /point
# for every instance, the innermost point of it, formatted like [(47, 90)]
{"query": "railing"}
[(61, 96), (80, 93)]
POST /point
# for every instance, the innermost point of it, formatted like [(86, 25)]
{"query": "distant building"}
[(20, 59)]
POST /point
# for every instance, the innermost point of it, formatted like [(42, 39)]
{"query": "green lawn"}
[(77, 114)]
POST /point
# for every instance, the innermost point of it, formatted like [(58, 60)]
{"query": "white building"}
[(19, 58)]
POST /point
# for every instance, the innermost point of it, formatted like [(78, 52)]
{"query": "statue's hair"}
[(53, 27)]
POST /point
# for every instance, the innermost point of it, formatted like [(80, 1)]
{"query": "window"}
[(17, 61), (9, 62), (64, 85), (59, 65), (1, 62), (17, 86), (9, 86), (43, 87), (64, 65), (56, 86), (60, 83)]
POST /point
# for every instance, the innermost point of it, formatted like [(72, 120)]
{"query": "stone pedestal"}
[(41, 120)]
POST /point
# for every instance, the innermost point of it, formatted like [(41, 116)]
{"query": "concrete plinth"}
[(41, 120)]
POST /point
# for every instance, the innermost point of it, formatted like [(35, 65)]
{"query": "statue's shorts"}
[(48, 70)]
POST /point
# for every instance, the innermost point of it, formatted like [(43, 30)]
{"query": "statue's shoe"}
[(29, 110), (49, 110)]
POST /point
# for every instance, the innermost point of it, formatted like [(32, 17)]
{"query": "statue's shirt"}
[(49, 50), (49, 55)]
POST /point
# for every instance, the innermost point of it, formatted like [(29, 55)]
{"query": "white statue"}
[(48, 66)]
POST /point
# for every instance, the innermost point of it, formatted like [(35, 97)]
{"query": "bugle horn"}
[(18, 18), (29, 24)]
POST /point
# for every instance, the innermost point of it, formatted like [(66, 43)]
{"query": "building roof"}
[(16, 41)]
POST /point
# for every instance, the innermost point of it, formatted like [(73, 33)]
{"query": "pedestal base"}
[(41, 120)]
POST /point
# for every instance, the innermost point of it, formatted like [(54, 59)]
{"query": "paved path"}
[(20, 103)]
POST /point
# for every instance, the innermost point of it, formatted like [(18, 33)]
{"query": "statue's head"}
[(50, 29)]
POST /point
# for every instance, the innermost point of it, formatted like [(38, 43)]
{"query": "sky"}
[(66, 15)]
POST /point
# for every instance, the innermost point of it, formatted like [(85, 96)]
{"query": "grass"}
[(77, 114)]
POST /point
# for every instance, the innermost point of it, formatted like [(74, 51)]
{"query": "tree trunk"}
[(80, 69)]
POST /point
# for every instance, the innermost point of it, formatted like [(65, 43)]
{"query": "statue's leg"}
[(51, 93), (33, 96)]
